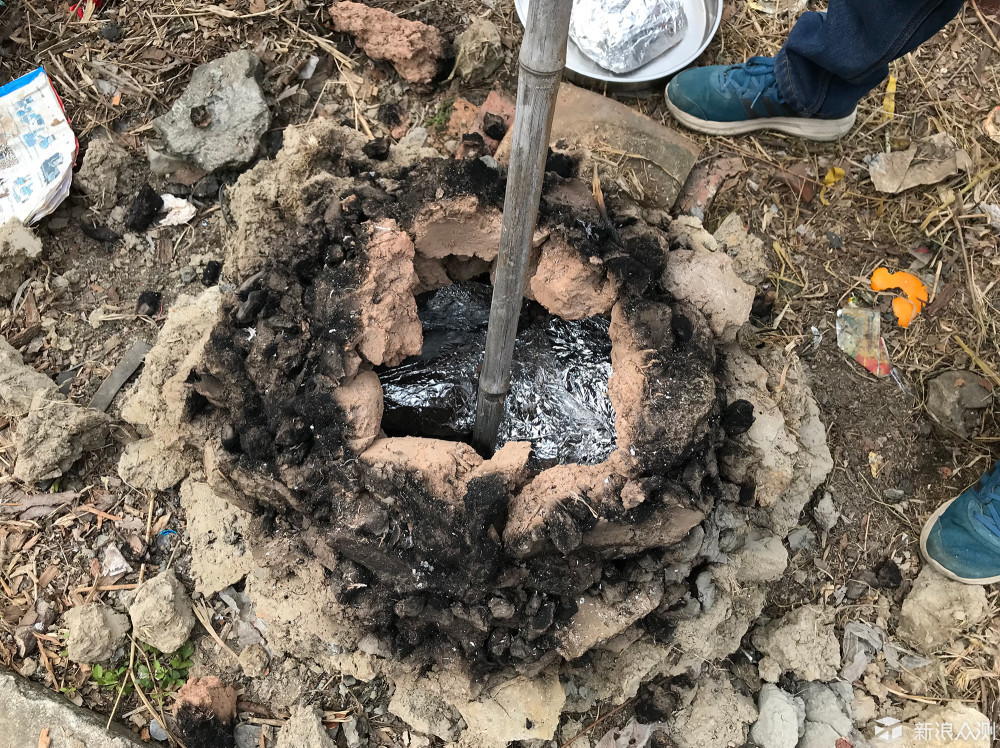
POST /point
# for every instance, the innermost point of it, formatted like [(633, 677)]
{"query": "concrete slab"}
[(27, 708), (660, 158)]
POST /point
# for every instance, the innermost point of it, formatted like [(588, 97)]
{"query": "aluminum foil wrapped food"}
[(558, 397), (622, 35)]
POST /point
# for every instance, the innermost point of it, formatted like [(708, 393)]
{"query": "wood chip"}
[(130, 362), (48, 576)]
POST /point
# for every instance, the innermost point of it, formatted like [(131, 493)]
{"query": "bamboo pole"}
[(543, 56)]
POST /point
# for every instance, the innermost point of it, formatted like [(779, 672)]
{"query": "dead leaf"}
[(32, 506), (889, 102), (47, 577), (927, 161), (876, 462), (258, 6), (834, 175), (992, 124), (800, 179)]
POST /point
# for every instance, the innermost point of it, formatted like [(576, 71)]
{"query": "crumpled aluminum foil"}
[(622, 35), (558, 398)]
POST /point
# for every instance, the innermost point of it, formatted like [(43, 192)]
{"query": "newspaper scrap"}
[(37, 149)]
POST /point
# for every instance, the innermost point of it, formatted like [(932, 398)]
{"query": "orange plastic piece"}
[(911, 286)]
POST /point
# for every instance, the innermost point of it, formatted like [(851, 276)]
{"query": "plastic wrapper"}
[(622, 35), (558, 398)]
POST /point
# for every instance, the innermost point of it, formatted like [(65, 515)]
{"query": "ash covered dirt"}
[(431, 546)]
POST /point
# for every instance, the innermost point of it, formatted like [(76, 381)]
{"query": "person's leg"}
[(811, 89), (832, 59)]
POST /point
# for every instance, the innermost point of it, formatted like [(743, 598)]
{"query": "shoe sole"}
[(821, 130), (925, 533)]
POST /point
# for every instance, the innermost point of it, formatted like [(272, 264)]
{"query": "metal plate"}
[(703, 22)]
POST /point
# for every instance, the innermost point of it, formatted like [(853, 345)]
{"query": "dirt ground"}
[(893, 464)]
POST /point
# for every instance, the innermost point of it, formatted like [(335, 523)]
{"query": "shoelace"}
[(989, 517), (755, 67)]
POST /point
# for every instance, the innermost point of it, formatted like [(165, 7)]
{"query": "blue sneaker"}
[(962, 539), (737, 99)]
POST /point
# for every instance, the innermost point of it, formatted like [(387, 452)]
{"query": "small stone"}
[(737, 418), (247, 736), (143, 209), (802, 641), (938, 609), (95, 632), (893, 494), (20, 249), (188, 274), (412, 47), (156, 731), (111, 32), (782, 719), (149, 304), (856, 589), (161, 612), (479, 52), (824, 706), (825, 512), (350, 728), (377, 150), (219, 120), (718, 715), (254, 661), (304, 729), (769, 670), (494, 126), (952, 396), (888, 575), (210, 275), (801, 539)]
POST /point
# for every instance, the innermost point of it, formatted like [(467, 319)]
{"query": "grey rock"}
[(95, 632), (156, 731), (26, 708), (254, 661), (825, 512), (350, 728), (938, 609), (161, 612), (479, 52), (18, 382), (716, 715), (54, 435), (220, 118), (952, 395), (782, 719), (20, 250), (247, 736), (304, 729), (802, 641), (819, 735), (826, 707), (801, 539), (99, 173)]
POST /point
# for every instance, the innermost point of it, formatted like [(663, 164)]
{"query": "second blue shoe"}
[(962, 538), (744, 98)]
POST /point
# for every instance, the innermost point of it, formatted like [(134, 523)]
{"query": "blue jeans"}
[(832, 59)]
